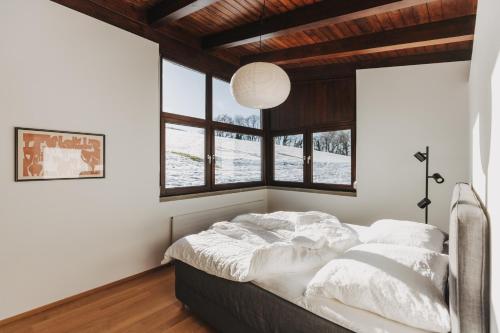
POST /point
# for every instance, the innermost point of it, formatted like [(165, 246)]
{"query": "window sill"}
[(255, 188), (168, 198), (313, 190)]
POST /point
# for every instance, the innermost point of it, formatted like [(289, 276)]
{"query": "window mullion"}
[(353, 155), (162, 156), (266, 147), (209, 144), (308, 157), (211, 158)]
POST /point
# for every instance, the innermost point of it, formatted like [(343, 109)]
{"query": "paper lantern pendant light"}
[(260, 85)]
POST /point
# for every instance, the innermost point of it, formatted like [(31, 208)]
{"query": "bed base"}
[(234, 307)]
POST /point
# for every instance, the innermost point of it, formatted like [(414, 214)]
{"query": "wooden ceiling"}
[(298, 33)]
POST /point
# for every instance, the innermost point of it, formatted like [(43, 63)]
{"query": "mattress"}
[(291, 287)]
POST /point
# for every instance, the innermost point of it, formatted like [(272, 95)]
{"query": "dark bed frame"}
[(234, 307)]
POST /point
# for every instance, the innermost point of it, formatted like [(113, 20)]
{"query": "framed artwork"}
[(48, 155)]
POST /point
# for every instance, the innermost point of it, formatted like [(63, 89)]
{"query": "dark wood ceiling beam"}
[(172, 49), (436, 33), (304, 18), (343, 70), (168, 11), (418, 59), (122, 8), (133, 13)]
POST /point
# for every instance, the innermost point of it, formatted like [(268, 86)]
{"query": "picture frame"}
[(42, 154)]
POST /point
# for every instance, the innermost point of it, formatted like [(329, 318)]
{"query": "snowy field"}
[(240, 161), (236, 160), (184, 158), (328, 168), (331, 168), (289, 163)]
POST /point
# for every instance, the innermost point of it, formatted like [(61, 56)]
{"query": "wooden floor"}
[(144, 304)]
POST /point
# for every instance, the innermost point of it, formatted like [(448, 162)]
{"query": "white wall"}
[(62, 70), (400, 110), (485, 126)]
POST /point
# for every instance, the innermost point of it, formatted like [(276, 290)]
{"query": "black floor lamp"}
[(425, 202)]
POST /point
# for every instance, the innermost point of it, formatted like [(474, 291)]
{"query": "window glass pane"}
[(332, 157), (288, 158), (237, 158), (184, 156), (227, 110), (183, 90)]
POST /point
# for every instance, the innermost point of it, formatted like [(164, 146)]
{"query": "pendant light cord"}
[(262, 15)]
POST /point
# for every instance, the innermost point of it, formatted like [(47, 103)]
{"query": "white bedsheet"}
[(292, 286), (260, 245)]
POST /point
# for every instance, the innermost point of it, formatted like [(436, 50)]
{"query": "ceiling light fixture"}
[(260, 85)]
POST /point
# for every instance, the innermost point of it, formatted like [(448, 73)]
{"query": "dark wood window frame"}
[(210, 127), (267, 146), (307, 182)]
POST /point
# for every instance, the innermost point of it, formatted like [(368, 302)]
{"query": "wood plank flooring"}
[(144, 304)]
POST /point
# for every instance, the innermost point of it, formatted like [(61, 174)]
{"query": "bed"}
[(262, 307)]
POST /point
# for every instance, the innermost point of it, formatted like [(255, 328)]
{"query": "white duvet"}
[(401, 283), (258, 245)]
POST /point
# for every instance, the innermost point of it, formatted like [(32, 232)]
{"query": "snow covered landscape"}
[(289, 158), (327, 167), (238, 159), (185, 156), (331, 157)]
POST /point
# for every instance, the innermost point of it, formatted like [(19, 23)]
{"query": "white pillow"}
[(405, 233), (401, 283)]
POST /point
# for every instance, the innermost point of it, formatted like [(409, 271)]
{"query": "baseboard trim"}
[(73, 298)]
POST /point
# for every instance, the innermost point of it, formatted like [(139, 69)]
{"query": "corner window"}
[(209, 142)]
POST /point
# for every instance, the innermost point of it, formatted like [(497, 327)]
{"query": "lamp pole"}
[(426, 182), (425, 202)]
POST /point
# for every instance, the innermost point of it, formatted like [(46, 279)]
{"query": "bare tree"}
[(336, 142)]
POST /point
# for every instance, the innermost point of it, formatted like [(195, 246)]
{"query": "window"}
[(227, 110), (289, 158), (206, 146), (331, 158), (184, 156), (183, 90), (238, 158), (210, 143), (321, 159)]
